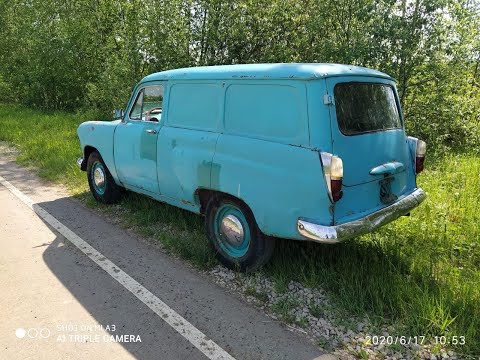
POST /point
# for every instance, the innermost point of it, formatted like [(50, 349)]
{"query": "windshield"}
[(365, 107)]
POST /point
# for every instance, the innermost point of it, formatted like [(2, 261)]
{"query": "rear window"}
[(365, 107)]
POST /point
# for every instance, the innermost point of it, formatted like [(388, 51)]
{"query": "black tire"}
[(110, 193), (245, 258)]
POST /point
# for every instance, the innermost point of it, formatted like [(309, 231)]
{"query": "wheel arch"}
[(203, 196), (88, 150)]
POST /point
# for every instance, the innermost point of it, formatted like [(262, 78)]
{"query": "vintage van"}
[(297, 151)]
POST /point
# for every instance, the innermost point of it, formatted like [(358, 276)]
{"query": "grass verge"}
[(421, 273)]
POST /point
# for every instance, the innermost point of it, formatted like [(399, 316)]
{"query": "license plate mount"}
[(386, 195)]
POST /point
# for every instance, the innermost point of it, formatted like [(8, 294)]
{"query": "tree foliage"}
[(64, 54)]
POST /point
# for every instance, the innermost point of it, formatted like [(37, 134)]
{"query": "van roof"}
[(266, 71)]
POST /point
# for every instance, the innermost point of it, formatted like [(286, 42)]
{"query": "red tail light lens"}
[(420, 156), (419, 161), (336, 186)]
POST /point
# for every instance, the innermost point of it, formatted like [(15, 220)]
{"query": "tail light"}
[(420, 155), (333, 170)]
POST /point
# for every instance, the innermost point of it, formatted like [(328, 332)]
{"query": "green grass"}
[(48, 141), (420, 274)]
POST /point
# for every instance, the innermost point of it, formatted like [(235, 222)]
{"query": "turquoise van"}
[(297, 151)]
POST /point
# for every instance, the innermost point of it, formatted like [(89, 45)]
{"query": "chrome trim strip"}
[(338, 233), (388, 168)]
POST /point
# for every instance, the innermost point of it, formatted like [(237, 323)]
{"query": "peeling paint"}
[(215, 176), (203, 174)]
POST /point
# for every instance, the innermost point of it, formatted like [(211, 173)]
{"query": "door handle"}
[(151, 131)]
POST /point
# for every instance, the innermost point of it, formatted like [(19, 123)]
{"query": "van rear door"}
[(369, 136)]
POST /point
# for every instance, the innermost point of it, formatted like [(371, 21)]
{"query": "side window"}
[(148, 105), (136, 113), (152, 103)]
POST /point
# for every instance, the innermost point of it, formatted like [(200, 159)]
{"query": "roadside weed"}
[(260, 296), (283, 308)]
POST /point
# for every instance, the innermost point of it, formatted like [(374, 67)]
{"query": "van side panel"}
[(280, 183), (184, 161), (268, 110), (186, 143)]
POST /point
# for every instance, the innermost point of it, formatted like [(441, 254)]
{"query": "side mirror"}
[(118, 114)]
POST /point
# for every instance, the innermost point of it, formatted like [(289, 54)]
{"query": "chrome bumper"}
[(337, 233), (81, 164)]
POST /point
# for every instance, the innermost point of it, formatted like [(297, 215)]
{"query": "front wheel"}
[(233, 231), (101, 183)]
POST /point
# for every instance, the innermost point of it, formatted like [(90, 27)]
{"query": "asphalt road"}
[(57, 302)]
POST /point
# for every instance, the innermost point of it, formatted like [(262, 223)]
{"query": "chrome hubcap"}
[(99, 177), (231, 230)]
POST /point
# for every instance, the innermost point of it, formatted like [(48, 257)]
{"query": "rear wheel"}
[(103, 187), (233, 231)]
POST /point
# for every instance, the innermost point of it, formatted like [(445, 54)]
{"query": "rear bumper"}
[(337, 233)]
